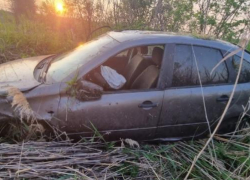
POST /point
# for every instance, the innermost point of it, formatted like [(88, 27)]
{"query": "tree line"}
[(224, 19)]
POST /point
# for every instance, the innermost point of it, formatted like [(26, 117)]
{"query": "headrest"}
[(144, 50), (134, 52), (157, 55)]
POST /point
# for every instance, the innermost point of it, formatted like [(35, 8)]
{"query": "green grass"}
[(172, 160), (30, 38)]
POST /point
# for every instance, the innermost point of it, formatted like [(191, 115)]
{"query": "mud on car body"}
[(162, 97)]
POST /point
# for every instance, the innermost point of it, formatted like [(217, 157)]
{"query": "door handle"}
[(223, 98), (148, 105)]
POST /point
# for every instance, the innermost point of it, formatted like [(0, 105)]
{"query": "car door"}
[(242, 91), (185, 113), (117, 114), (131, 114)]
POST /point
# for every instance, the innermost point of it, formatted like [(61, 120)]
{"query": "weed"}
[(21, 105), (71, 88)]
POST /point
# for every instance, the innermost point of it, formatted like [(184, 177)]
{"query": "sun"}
[(59, 5)]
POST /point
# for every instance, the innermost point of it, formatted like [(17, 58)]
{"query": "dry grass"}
[(132, 143), (88, 159), (21, 105)]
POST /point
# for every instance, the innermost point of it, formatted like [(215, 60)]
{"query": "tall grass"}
[(98, 159), (172, 161), (30, 38)]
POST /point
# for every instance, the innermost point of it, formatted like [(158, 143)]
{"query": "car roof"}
[(170, 37), (128, 35)]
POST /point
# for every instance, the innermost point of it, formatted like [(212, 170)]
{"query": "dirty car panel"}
[(117, 114), (19, 73), (184, 108), (43, 100)]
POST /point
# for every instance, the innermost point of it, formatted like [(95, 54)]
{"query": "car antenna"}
[(92, 32)]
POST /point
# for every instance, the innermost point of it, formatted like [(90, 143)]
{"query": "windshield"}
[(69, 62)]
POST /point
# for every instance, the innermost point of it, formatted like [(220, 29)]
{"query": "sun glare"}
[(59, 6)]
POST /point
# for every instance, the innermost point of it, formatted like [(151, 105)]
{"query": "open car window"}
[(123, 53), (140, 68), (151, 48)]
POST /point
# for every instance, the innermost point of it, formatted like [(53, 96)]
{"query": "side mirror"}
[(88, 91)]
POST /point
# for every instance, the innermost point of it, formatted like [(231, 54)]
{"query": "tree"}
[(83, 10), (225, 19), (171, 15), (23, 7)]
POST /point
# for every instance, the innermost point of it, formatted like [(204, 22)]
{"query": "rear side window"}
[(185, 70), (207, 58), (245, 70)]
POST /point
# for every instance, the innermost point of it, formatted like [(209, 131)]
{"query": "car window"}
[(123, 53), (245, 70), (185, 70), (141, 72), (207, 58), (183, 66), (151, 48)]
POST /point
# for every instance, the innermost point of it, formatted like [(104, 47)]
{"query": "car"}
[(170, 93)]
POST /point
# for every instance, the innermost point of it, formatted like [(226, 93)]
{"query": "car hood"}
[(19, 73)]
